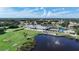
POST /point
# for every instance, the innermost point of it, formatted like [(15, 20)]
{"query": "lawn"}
[(9, 41)]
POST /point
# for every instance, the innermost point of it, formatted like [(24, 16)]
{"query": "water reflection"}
[(46, 42)]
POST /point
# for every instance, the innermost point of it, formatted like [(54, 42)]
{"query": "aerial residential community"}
[(39, 29), (15, 35)]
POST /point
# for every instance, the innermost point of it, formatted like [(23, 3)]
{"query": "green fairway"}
[(13, 39)]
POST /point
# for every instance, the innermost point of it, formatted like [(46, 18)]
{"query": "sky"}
[(39, 12)]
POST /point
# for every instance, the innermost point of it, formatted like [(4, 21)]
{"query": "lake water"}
[(46, 42)]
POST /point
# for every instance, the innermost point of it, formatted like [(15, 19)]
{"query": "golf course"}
[(13, 39)]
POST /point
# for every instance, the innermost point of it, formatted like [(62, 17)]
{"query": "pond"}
[(45, 42)]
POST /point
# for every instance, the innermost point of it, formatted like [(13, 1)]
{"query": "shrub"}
[(77, 31), (2, 30), (13, 26), (65, 24), (70, 37), (27, 46)]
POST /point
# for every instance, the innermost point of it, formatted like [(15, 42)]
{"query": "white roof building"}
[(70, 32), (37, 27)]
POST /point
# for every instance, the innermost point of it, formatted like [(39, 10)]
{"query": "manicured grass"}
[(13, 39), (77, 37), (60, 34)]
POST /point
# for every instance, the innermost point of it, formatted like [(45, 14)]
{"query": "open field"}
[(13, 39)]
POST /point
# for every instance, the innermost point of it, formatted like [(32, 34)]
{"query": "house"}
[(30, 26), (54, 29), (40, 27), (70, 32), (72, 25)]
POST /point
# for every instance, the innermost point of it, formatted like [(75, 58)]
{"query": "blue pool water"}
[(46, 42)]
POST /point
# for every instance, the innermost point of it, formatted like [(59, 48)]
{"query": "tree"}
[(27, 46), (2, 30), (65, 24), (13, 26), (77, 31), (75, 27)]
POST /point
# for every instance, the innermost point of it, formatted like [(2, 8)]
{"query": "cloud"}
[(9, 12), (58, 9), (41, 13), (57, 14), (77, 9), (44, 13), (42, 8), (6, 10)]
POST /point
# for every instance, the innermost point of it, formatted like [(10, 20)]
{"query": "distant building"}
[(72, 25), (40, 27), (62, 29), (70, 32), (54, 29)]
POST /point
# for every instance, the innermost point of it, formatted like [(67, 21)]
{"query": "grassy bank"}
[(67, 35), (13, 39)]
